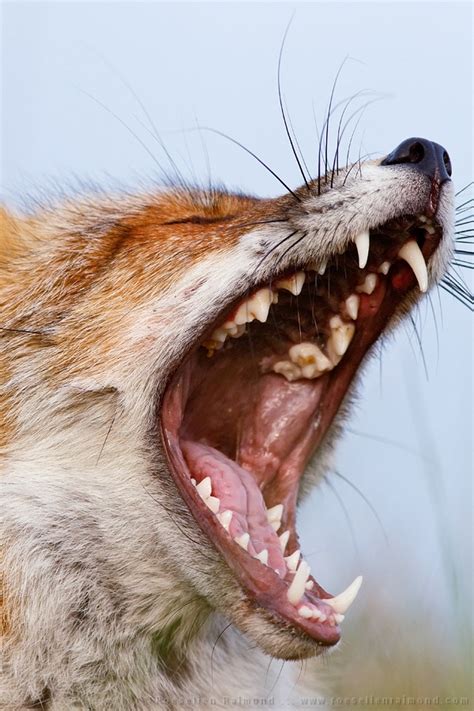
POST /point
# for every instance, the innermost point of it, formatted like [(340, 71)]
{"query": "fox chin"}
[(176, 368)]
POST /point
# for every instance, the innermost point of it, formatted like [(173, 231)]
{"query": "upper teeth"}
[(412, 254), (294, 284), (362, 242)]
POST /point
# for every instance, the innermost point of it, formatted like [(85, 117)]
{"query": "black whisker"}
[(22, 330), (464, 188), (276, 246)]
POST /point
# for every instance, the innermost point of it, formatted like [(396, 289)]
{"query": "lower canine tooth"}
[(352, 306), (368, 287), (296, 590), (292, 560), (204, 488), (344, 600), (243, 540), (225, 518), (263, 556)]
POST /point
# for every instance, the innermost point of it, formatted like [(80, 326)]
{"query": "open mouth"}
[(254, 399)]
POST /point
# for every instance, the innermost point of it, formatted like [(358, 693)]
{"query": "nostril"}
[(447, 163), (416, 153)]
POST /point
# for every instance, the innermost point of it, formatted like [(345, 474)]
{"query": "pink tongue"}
[(238, 492)]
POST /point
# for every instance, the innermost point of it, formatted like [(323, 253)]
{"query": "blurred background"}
[(80, 82)]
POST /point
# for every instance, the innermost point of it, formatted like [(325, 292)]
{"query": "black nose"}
[(426, 156)]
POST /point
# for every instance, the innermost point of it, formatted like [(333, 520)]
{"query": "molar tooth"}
[(225, 518), (213, 503), (284, 540), (204, 488), (368, 287), (352, 306), (243, 540), (263, 556), (362, 242), (412, 254), (292, 560), (275, 513), (341, 603), (296, 590), (288, 369), (308, 354), (293, 283), (384, 268), (305, 611), (259, 304)]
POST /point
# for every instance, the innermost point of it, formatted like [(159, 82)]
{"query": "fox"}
[(176, 369)]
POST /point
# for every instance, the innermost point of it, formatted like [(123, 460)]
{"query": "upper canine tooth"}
[(243, 540), (412, 254), (368, 287), (259, 304), (352, 306), (362, 242), (205, 488), (294, 283), (296, 590), (263, 556), (292, 560), (304, 354), (342, 602)]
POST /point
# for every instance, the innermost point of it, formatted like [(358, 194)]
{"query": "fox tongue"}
[(235, 490)]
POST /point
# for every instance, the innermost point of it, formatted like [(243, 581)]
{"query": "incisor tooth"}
[(263, 556), (352, 306), (412, 254), (305, 611), (362, 242), (292, 560), (259, 304), (204, 488), (309, 354), (225, 518), (309, 585), (284, 540), (338, 618), (213, 503), (368, 287), (243, 540), (288, 369), (293, 283), (296, 590), (275, 513), (384, 268), (344, 600)]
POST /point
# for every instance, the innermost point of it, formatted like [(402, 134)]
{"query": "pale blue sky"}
[(215, 64)]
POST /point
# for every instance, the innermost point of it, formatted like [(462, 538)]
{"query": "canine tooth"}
[(288, 369), (259, 304), (384, 268), (352, 306), (292, 560), (284, 540), (275, 513), (304, 354), (296, 590), (305, 611), (213, 503), (412, 254), (243, 540), (341, 335), (204, 488), (294, 283), (309, 585), (263, 556), (338, 618), (225, 518), (368, 287), (362, 242), (344, 600)]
